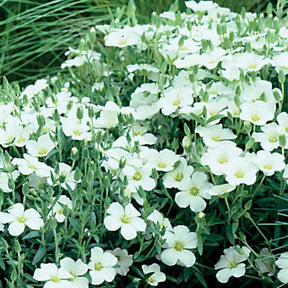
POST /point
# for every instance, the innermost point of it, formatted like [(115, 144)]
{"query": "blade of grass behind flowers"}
[(250, 5), (35, 35)]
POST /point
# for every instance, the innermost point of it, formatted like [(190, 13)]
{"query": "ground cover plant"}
[(157, 157)]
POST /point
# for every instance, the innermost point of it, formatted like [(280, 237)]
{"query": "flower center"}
[(161, 164), (179, 176), (137, 176), (222, 159), (125, 219), (77, 132), (31, 166), (267, 166), (20, 140), (42, 151), (60, 211), (194, 191), (122, 42), (179, 246), (98, 266), (176, 102), (233, 264), (273, 139), (216, 138), (21, 219), (255, 118), (239, 174), (55, 278), (150, 280)]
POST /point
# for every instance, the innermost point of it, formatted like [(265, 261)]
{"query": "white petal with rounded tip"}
[(108, 259), (138, 223), (35, 223), (31, 213), (96, 254), (97, 277), (197, 204), (187, 258), (6, 218), (131, 211), (109, 274), (112, 223), (16, 228), (17, 209), (45, 272), (169, 256), (128, 231), (223, 275), (283, 275), (238, 271), (182, 199), (116, 209)]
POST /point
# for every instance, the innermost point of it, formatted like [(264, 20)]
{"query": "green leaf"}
[(201, 279), (39, 255), (32, 234), (230, 234), (214, 118), (197, 119)]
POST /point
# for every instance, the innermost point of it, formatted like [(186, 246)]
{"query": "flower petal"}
[(112, 223), (16, 228)]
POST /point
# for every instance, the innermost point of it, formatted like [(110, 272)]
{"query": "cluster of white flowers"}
[(72, 274), (206, 87)]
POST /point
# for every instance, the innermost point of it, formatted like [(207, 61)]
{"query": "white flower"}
[(178, 242), (65, 174), (124, 260), (58, 208), (269, 162), (282, 263), (75, 268), (101, 266), (157, 275), (18, 219), (239, 170), (108, 116), (282, 120), (269, 139), (202, 6), (251, 61), (78, 131), (217, 157), (4, 180), (212, 134), (158, 217), (164, 160), (56, 277), (230, 263), (31, 164), (221, 189), (174, 98), (125, 218), (258, 112), (193, 191), (265, 263), (122, 37), (280, 62), (139, 176), (32, 90), (174, 178), (41, 147)]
